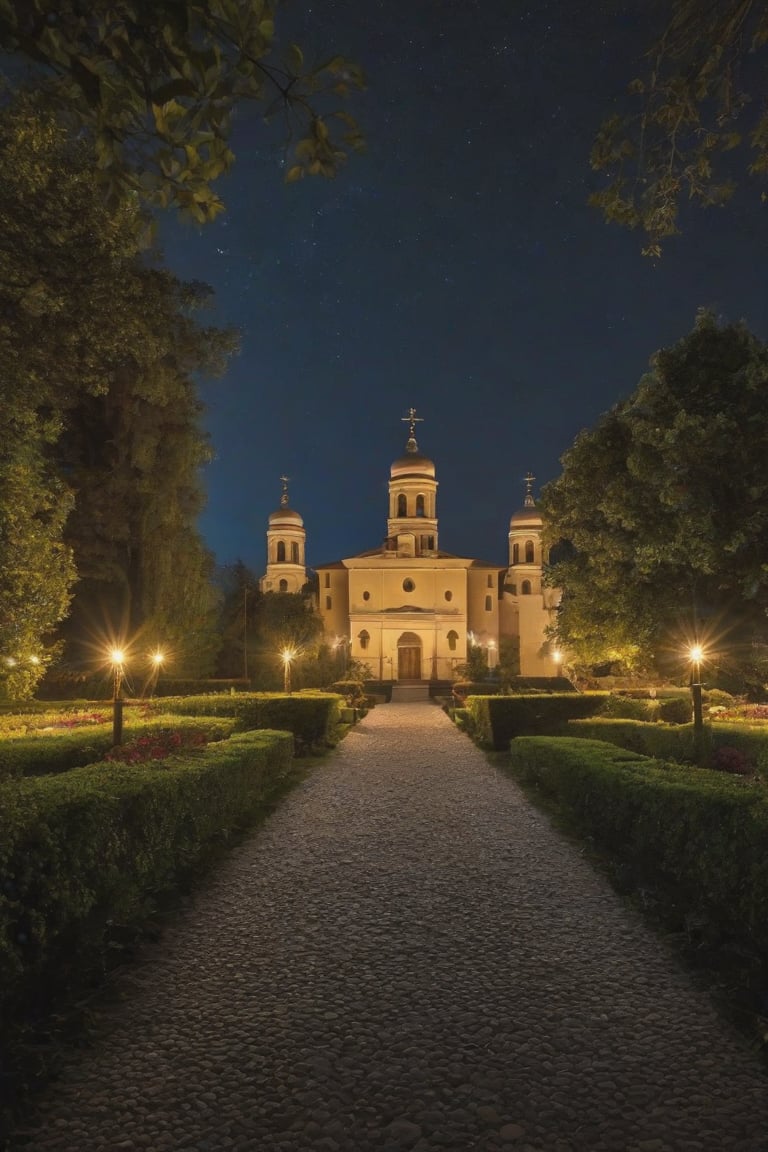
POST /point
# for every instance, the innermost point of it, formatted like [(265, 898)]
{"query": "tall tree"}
[(664, 505), (133, 456), (58, 262), (700, 116), (154, 86), (99, 355)]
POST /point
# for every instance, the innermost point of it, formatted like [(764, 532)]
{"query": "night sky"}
[(454, 266)]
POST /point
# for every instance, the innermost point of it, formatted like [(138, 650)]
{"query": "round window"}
[(408, 585), (449, 595), (366, 595)]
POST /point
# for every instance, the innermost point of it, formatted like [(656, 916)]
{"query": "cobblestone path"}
[(407, 957)]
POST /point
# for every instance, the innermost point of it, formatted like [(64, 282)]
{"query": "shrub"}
[(353, 691), (497, 719), (676, 710), (629, 708), (464, 688), (662, 741), (702, 836), (729, 759), (91, 847), (312, 717), (41, 753)]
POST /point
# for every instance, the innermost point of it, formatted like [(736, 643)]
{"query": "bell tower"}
[(286, 544), (412, 520)]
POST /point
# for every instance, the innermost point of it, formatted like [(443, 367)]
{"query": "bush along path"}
[(407, 956)]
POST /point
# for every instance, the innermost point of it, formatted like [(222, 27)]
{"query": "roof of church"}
[(371, 553)]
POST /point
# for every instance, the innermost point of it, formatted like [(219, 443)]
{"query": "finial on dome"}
[(412, 419), (284, 497), (529, 500)]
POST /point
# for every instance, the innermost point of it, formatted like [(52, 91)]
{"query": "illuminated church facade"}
[(407, 608)]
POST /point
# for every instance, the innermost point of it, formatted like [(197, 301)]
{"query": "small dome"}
[(284, 515), (527, 516), (413, 463)]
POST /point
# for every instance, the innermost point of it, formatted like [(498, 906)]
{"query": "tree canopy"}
[(697, 116), (664, 509), (100, 353), (154, 85)]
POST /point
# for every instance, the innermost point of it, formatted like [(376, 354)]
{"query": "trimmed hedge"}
[(701, 835), (670, 709), (662, 741), (498, 719), (43, 753), (676, 742), (89, 848), (313, 718)]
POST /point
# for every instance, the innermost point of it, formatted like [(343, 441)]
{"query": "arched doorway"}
[(409, 657)]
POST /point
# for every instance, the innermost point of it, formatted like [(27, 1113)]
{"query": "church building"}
[(411, 610)]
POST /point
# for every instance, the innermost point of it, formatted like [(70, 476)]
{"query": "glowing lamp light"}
[(287, 655), (34, 659), (696, 653), (117, 656), (157, 658)]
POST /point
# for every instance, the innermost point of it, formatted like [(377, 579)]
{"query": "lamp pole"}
[(698, 712), (117, 657), (287, 657)]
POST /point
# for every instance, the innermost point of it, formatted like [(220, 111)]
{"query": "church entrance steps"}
[(410, 693)]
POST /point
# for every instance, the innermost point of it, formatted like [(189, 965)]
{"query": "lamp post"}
[(491, 655), (287, 655), (158, 659), (696, 655), (117, 659), (557, 656)]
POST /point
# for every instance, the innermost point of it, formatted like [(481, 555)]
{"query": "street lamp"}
[(157, 659), (287, 655), (491, 655), (117, 660), (557, 656), (696, 655)]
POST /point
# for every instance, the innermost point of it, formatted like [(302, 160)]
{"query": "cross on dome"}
[(529, 500), (412, 419), (284, 497)]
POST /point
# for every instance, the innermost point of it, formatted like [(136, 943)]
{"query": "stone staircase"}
[(410, 692)]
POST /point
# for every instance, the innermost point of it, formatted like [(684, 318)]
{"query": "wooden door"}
[(409, 663)]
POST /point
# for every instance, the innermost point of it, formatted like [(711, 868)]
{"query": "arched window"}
[(525, 588), (449, 595), (402, 505), (515, 553), (294, 553), (328, 603), (431, 543), (327, 580), (529, 551), (364, 639), (489, 581), (366, 595), (489, 603), (419, 505), (283, 586), (452, 640), (281, 551)]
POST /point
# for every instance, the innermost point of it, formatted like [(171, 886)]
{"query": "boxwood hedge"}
[(42, 753), (676, 742), (313, 718), (86, 849), (497, 719), (699, 834)]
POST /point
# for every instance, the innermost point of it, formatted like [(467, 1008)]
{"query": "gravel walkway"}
[(407, 957)]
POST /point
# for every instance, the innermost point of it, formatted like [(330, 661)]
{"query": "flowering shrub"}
[(729, 759), (744, 712), (158, 745)]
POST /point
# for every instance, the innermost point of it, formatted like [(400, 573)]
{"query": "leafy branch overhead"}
[(155, 85), (701, 114)]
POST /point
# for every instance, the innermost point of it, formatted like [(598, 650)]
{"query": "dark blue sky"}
[(454, 266)]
